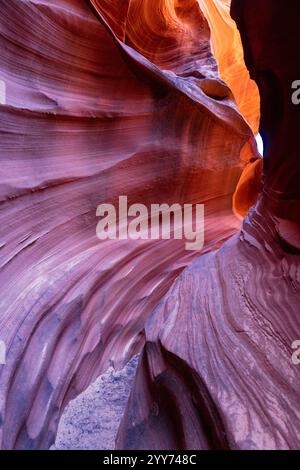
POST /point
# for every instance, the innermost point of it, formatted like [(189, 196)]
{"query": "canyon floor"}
[(91, 421)]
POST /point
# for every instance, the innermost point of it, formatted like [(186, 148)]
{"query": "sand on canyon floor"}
[(91, 421)]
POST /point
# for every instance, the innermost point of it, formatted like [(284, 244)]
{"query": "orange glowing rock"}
[(228, 50), (248, 188)]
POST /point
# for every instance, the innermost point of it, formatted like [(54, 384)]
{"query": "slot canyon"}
[(161, 101)]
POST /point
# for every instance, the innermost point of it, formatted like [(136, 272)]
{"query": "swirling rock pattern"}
[(216, 370), (103, 99)]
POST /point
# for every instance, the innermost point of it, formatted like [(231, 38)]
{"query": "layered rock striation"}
[(216, 370), (102, 99)]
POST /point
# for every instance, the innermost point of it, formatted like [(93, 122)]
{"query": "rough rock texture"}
[(91, 421), (216, 371), (99, 103)]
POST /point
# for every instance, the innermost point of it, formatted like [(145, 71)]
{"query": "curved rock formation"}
[(99, 103), (217, 370), (228, 50)]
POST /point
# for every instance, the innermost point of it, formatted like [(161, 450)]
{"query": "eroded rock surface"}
[(99, 103), (217, 371)]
